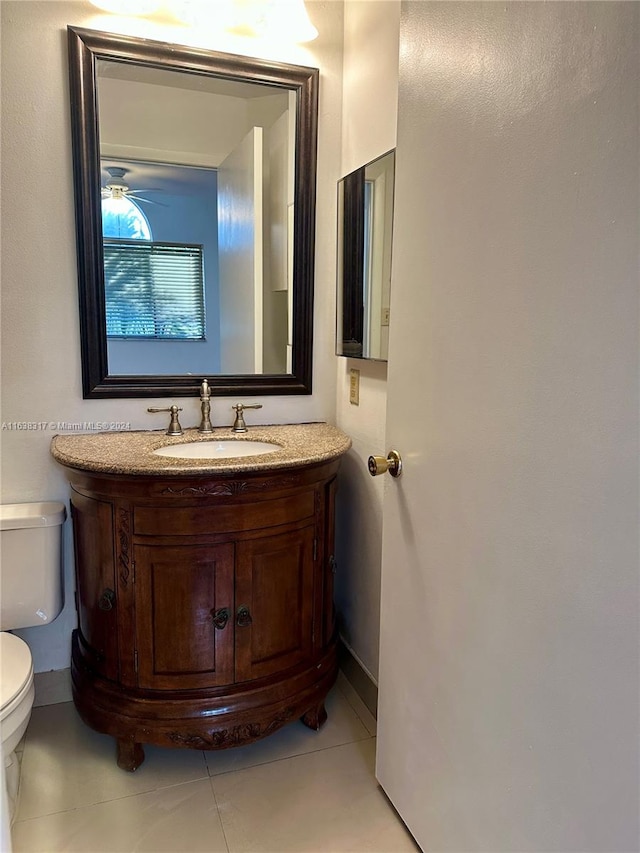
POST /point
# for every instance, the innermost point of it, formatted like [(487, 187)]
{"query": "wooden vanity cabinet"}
[(205, 605)]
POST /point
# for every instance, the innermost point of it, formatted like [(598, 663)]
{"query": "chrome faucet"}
[(205, 405), (239, 425)]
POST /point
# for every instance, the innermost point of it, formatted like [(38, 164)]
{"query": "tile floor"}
[(295, 791)]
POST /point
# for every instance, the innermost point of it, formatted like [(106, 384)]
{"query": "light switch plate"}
[(354, 387)]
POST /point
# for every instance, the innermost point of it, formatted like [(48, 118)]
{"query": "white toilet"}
[(31, 594)]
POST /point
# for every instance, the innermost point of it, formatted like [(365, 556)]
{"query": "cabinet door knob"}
[(243, 617), (107, 600), (220, 617)]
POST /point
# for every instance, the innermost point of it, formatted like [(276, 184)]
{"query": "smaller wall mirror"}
[(365, 225)]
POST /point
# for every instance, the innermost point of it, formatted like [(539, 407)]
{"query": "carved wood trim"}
[(234, 736), (126, 590), (233, 487), (123, 544), (315, 717)]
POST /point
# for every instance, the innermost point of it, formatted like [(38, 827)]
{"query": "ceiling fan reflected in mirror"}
[(116, 187)]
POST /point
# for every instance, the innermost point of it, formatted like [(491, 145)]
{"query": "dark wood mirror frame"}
[(86, 47), (354, 322)]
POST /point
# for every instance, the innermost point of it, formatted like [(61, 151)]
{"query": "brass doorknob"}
[(379, 465)]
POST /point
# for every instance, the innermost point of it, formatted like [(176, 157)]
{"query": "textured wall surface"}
[(368, 130), (40, 331)]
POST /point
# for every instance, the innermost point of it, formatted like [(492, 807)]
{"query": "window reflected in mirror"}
[(160, 267), (365, 225)]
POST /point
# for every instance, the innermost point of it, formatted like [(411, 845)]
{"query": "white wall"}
[(148, 121), (40, 330), (369, 109)]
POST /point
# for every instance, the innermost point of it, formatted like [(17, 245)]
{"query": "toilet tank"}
[(31, 572)]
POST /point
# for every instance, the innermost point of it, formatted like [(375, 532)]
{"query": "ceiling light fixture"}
[(276, 19), (203, 13), (287, 20), (128, 7), (281, 20)]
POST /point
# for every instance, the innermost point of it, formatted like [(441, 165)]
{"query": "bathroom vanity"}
[(204, 585)]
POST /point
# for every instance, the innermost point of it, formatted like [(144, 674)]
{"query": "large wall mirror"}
[(365, 225), (195, 179)]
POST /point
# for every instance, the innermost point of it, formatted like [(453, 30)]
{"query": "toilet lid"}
[(16, 667)]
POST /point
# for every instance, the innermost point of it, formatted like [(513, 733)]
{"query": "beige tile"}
[(67, 765), (180, 818), (357, 704), (342, 726), (325, 802)]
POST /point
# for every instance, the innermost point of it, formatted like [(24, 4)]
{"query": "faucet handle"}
[(239, 425), (174, 426)]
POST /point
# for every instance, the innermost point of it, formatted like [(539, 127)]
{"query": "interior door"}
[(240, 255), (507, 715)]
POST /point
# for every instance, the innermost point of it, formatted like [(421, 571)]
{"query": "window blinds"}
[(154, 290)]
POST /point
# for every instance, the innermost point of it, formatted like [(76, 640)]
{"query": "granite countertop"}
[(131, 452)]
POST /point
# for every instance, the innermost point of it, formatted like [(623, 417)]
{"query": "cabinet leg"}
[(130, 754), (315, 717)]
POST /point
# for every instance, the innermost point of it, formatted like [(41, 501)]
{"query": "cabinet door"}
[(95, 583), (274, 603), (183, 639)]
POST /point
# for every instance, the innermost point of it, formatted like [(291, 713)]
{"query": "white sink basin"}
[(223, 449)]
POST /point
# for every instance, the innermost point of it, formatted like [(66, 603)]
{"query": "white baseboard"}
[(358, 677), (52, 687)]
